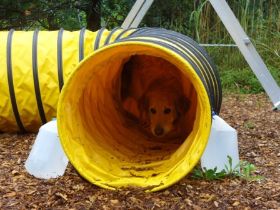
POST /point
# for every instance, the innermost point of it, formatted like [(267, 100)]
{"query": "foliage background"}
[(197, 19)]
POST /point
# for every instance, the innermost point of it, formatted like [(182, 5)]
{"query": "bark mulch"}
[(259, 143)]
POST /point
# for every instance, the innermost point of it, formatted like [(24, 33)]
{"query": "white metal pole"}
[(236, 31), (248, 50), (137, 13)]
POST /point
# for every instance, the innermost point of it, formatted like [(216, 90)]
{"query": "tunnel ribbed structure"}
[(33, 68), (101, 145)]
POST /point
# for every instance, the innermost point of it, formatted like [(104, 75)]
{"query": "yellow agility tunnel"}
[(33, 68), (96, 135), (101, 142)]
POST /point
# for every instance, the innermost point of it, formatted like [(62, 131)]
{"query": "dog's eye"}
[(153, 111), (167, 111)]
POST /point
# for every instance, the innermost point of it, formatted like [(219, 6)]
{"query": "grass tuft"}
[(243, 170), (244, 81)]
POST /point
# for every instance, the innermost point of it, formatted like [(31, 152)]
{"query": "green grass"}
[(243, 170), (243, 80)]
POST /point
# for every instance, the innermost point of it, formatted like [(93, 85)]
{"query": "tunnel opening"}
[(106, 141)]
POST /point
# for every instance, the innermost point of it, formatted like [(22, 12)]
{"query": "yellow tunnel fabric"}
[(79, 73), (33, 68), (95, 134)]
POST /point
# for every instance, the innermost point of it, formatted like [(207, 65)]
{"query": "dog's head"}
[(161, 113)]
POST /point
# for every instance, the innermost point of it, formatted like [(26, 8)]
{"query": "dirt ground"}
[(259, 143)]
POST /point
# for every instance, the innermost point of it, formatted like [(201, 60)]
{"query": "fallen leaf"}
[(15, 172), (106, 207), (13, 204), (166, 192), (216, 204), (207, 197), (188, 201), (31, 192), (19, 161), (62, 196), (196, 207), (92, 198), (11, 194), (78, 187), (236, 203), (114, 202)]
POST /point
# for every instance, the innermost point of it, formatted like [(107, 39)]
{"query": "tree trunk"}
[(93, 15)]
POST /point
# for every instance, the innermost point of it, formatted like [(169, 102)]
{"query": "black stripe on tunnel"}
[(11, 83), (202, 51), (98, 38), (194, 56), (81, 44), (184, 40), (185, 50), (164, 33), (180, 54), (163, 44), (36, 78), (125, 31), (59, 59), (107, 41), (142, 31)]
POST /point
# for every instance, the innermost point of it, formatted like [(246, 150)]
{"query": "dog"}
[(162, 109), (154, 98)]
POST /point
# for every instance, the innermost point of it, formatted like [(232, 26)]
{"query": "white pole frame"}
[(237, 33)]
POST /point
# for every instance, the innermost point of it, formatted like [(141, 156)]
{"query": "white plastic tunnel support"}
[(221, 144), (47, 158)]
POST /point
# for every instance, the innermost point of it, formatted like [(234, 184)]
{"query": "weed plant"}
[(243, 170)]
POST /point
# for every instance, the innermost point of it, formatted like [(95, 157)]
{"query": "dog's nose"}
[(159, 131)]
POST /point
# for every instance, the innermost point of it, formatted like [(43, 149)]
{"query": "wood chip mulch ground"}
[(259, 143)]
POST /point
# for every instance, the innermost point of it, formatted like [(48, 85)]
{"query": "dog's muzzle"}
[(158, 131)]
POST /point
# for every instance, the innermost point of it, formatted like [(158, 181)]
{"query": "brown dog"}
[(162, 109), (152, 92)]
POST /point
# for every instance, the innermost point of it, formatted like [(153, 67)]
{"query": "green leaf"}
[(120, 17)]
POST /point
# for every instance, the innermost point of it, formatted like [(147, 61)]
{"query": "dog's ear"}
[(183, 104)]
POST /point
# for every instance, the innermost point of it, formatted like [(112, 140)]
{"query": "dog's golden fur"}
[(152, 92)]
